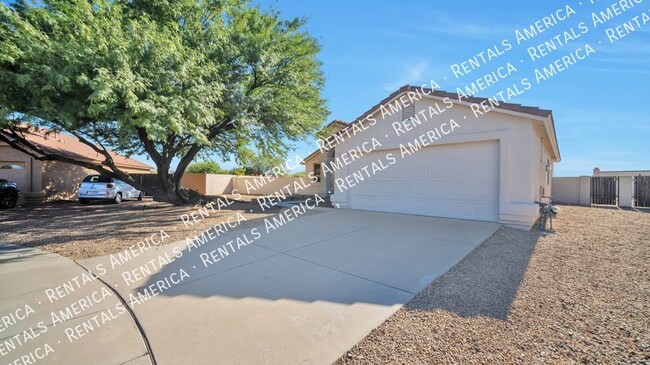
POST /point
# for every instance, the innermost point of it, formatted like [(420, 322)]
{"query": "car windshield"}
[(97, 179)]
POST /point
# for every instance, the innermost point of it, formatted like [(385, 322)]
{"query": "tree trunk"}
[(177, 195), (165, 190)]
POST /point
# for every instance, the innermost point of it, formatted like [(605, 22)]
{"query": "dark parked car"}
[(9, 194)]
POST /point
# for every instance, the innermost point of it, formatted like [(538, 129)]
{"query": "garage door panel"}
[(14, 171), (460, 171), (416, 188), (483, 192), (459, 208), (461, 190), (457, 181), (485, 171), (419, 172), (459, 153), (437, 190), (395, 189)]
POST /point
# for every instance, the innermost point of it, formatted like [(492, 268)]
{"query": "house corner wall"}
[(61, 180), (320, 187), (521, 177)]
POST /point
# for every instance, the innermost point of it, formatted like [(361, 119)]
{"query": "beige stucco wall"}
[(544, 184), (567, 190), (61, 180), (315, 187), (218, 184), (194, 182), (208, 184), (255, 185), (626, 191), (577, 190), (520, 170), (214, 184)]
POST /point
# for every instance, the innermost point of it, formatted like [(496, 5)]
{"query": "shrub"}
[(239, 171), (205, 167)]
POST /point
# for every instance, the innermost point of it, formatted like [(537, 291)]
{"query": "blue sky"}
[(371, 48), (601, 106)]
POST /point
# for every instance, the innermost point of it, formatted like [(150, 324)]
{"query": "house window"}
[(317, 172), (12, 166), (98, 179)]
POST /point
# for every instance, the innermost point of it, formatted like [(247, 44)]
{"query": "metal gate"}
[(642, 191), (604, 190), (145, 179)]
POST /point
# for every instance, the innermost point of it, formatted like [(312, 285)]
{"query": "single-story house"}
[(52, 180), (422, 151)]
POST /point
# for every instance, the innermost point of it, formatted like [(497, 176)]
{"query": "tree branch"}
[(103, 151), (149, 147), (226, 125)]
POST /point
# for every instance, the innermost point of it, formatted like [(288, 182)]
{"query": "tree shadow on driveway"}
[(486, 282)]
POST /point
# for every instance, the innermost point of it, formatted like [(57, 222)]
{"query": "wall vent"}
[(408, 111)]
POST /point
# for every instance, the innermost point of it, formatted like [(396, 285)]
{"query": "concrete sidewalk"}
[(77, 323), (303, 293)]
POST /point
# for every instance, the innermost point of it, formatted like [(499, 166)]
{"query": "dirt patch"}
[(82, 231), (579, 296)]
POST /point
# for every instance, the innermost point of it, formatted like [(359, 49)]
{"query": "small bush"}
[(206, 167), (239, 171)]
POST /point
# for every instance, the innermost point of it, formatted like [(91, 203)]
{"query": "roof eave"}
[(549, 123)]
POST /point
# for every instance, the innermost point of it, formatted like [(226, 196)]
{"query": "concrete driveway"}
[(303, 293)]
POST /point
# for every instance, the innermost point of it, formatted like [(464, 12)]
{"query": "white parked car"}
[(99, 187)]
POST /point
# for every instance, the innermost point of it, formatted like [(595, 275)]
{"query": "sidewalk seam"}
[(145, 339)]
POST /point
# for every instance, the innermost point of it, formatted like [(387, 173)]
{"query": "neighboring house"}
[(490, 168), (599, 173), (52, 180)]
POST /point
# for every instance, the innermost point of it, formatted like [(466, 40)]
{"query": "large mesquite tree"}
[(168, 78)]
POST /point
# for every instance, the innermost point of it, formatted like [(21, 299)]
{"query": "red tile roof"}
[(69, 146)]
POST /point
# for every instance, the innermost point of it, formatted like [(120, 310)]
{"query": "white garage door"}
[(456, 181), (14, 171)]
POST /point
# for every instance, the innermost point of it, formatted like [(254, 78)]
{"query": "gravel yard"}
[(579, 296), (81, 231)]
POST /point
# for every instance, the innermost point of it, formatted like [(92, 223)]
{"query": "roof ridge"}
[(431, 91)]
